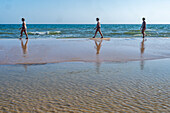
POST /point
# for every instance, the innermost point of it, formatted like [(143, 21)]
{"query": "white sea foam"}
[(151, 30), (44, 33)]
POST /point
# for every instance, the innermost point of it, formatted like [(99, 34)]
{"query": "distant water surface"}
[(9, 31)]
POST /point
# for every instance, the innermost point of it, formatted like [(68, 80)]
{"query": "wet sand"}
[(116, 75), (86, 87), (42, 51)]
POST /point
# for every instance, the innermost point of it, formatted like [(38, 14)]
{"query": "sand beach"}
[(84, 75)]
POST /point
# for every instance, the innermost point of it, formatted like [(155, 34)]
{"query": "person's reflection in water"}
[(142, 49), (25, 67), (24, 50), (98, 47), (24, 47), (98, 65)]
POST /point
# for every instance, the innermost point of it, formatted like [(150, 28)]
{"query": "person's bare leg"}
[(26, 34), (143, 33), (101, 33), (21, 34), (95, 34)]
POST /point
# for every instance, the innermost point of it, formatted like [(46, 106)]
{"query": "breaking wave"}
[(45, 33)]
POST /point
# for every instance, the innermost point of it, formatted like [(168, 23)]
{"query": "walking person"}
[(23, 29), (143, 27), (98, 28)]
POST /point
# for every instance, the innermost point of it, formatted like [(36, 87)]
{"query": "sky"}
[(84, 11)]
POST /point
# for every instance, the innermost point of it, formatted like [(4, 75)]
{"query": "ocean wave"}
[(131, 33), (126, 33), (137, 35), (116, 33), (164, 33), (6, 33), (151, 30), (45, 33), (134, 30)]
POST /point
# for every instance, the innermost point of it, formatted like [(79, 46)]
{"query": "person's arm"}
[(25, 25), (97, 25), (141, 26), (21, 27)]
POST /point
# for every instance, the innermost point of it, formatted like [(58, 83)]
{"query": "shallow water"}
[(139, 86)]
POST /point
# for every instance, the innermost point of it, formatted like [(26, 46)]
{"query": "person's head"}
[(143, 19), (97, 19), (23, 19)]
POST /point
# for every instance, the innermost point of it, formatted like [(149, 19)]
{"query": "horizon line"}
[(81, 23)]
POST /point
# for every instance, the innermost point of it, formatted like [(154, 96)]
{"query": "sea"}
[(11, 31)]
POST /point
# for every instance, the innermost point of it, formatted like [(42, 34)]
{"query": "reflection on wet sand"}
[(25, 50), (142, 50), (25, 67), (80, 50), (24, 47), (98, 64), (98, 46)]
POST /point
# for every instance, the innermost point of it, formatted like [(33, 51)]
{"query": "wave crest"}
[(45, 33), (6, 33)]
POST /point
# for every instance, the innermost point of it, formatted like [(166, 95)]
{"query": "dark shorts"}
[(98, 28), (24, 30), (143, 29)]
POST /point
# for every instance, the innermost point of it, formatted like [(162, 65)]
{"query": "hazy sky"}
[(84, 11)]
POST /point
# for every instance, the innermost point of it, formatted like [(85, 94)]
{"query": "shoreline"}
[(76, 61), (69, 38), (46, 51)]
